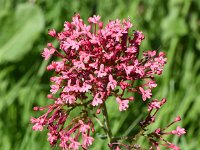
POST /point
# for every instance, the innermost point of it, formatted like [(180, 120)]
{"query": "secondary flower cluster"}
[(156, 138), (98, 62)]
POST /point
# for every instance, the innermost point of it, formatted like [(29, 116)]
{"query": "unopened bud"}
[(52, 33), (35, 108), (161, 54), (153, 119), (178, 118), (131, 98), (49, 96), (163, 101), (157, 131), (98, 111), (38, 108), (100, 25), (49, 45)]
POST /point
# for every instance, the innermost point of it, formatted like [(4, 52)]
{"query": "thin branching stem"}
[(106, 122)]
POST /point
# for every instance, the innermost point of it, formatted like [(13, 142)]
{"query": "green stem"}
[(134, 138), (106, 122), (78, 104), (100, 123)]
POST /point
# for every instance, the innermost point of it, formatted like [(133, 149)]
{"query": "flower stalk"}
[(107, 124)]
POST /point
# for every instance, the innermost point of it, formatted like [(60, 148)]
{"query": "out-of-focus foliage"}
[(172, 26)]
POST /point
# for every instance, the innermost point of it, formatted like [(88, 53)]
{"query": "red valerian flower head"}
[(95, 61)]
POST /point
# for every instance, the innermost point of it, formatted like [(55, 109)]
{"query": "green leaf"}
[(28, 23)]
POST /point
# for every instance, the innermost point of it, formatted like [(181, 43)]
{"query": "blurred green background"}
[(171, 25)]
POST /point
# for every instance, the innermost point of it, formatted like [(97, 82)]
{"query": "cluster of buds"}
[(94, 62)]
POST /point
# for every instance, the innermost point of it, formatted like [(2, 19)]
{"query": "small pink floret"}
[(145, 93), (123, 104), (179, 131)]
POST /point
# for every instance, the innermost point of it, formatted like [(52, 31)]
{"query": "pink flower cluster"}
[(97, 60), (94, 61)]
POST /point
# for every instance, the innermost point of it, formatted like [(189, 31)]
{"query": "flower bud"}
[(49, 45), (49, 96), (35, 108), (163, 101), (178, 118), (100, 25), (131, 98), (52, 33), (98, 111)]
